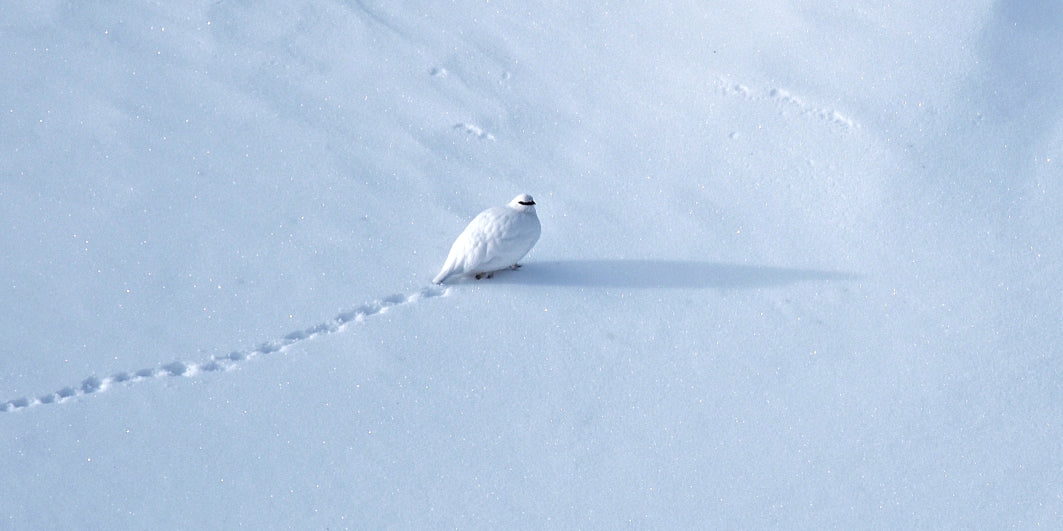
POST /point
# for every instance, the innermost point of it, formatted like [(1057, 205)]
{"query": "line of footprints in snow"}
[(94, 384), (785, 101)]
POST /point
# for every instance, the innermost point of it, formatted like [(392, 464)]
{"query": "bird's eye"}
[(527, 203)]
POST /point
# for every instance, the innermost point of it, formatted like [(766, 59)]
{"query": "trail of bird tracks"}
[(96, 384)]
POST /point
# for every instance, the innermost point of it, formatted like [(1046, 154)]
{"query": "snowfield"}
[(800, 265)]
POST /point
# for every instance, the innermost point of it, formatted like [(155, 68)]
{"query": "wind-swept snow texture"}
[(800, 265)]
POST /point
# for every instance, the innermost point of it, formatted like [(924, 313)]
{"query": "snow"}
[(800, 265)]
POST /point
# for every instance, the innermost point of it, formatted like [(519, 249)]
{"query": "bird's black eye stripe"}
[(527, 203)]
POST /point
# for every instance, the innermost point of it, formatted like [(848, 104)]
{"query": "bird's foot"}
[(515, 267), (481, 276)]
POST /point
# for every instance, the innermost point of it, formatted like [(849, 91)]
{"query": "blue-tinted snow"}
[(800, 265)]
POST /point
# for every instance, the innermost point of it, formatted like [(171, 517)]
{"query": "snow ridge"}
[(95, 384)]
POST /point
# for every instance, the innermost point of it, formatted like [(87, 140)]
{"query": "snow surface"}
[(800, 266)]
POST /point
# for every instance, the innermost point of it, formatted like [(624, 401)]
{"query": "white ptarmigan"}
[(496, 239)]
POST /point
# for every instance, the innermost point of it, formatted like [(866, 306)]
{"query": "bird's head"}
[(523, 203)]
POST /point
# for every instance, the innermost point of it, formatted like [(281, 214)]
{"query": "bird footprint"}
[(226, 362)]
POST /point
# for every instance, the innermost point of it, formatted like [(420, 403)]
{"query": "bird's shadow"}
[(674, 274)]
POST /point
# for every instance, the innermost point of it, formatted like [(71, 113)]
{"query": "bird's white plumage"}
[(496, 239)]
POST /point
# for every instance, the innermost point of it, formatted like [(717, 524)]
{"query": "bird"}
[(495, 239)]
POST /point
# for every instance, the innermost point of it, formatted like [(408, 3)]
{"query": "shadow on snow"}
[(674, 274)]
